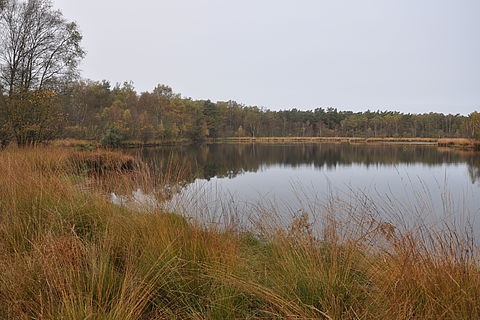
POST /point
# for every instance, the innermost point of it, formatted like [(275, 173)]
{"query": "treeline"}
[(95, 110)]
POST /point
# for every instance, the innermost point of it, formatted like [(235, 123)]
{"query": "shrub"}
[(112, 138)]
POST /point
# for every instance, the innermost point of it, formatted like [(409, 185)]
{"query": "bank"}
[(455, 143)]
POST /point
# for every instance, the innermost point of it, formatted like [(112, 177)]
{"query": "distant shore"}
[(461, 143), (458, 143)]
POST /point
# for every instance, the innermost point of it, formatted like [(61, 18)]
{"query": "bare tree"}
[(39, 48), (39, 51)]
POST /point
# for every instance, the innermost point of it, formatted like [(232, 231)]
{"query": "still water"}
[(294, 177)]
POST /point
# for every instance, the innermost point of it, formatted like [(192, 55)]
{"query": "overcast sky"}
[(407, 55)]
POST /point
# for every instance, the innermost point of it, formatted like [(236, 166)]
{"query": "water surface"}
[(292, 177)]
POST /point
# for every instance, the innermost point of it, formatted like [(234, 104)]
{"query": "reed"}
[(460, 143), (68, 253), (335, 139)]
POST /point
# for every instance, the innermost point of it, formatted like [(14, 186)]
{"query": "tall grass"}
[(68, 253)]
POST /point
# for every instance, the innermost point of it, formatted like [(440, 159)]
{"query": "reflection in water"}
[(229, 160), (248, 180), (474, 169), (138, 200)]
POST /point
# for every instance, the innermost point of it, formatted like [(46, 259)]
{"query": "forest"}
[(95, 110)]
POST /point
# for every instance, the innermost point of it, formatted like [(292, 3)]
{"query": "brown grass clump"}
[(68, 143), (102, 161), (460, 143)]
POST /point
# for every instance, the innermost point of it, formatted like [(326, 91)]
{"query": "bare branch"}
[(38, 47)]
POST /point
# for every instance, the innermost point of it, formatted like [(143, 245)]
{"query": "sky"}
[(408, 55)]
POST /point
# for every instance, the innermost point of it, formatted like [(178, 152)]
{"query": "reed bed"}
[(460, 143), (444, 142), (432, 141), (67, 252), (337, 139)]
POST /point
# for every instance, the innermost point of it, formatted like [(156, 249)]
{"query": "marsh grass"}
[(68, 253), (460, 143), (457, 143)]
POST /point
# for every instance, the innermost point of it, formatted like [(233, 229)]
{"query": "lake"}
[(247, 179)]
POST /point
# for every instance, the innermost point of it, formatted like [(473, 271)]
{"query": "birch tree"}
[(39, 48)]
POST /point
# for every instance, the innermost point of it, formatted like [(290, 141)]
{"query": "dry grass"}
[(70, 254), (330, 140), (460, 143), (74, 143), (156, 142)]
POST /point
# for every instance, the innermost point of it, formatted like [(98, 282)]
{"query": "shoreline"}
[(453, 143)]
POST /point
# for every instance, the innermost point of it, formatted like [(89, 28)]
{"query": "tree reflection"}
[(229, 160)]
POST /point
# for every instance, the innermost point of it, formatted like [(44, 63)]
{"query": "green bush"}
[(112, 138)]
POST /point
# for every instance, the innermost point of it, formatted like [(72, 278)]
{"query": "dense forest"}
[(42, 98), (95, 110)]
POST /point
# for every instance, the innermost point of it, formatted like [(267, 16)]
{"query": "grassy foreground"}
[(67, 253)]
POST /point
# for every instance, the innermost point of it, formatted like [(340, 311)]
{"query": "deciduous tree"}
[(39, 52), (39, 47), (33, 116)]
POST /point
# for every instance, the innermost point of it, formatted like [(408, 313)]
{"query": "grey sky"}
[(408, 55)]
